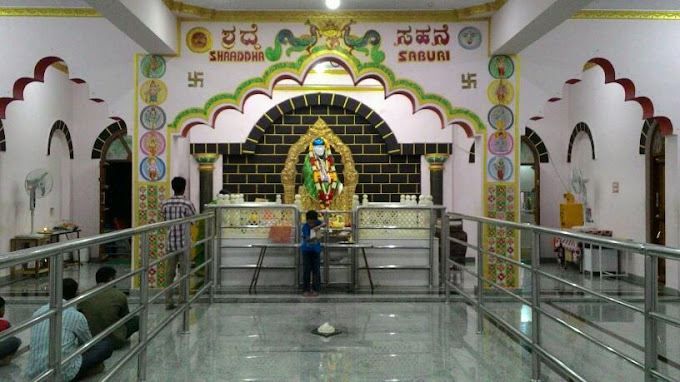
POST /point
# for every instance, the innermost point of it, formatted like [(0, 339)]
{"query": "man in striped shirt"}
[(178, 236), (74, 333)]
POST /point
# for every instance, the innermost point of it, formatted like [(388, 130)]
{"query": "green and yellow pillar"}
[(436, 162), (206, 166)]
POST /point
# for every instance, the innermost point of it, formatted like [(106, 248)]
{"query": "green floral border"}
[(392, 84)]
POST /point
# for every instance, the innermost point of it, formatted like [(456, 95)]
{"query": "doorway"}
[(115, 192), (656, 186), (529, 187)]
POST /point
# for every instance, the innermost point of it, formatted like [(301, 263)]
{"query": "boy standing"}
[(311, 255), (8, 346), (174, 208)]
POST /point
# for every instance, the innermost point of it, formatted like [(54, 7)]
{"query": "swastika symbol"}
[(195, 79), (469, 81)]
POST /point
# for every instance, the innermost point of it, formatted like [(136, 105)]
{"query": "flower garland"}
[(325, 179)]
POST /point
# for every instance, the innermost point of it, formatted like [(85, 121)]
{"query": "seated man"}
[(74, 333), (107, 307), (8, 346)]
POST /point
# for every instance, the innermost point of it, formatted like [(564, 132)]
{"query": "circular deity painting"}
[(500, 143), (199, 40), (501, 67), (501, 117), (153, 66), (470, 38), (500, 168), (500, 92), (152, 169), (153, 92), (152, 117), (152, 143)]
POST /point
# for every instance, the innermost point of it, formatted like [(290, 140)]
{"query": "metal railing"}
[(235, 217), (652, 317), (57, 305), (226, 211), (429, 214)]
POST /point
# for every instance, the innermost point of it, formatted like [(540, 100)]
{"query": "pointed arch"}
[(648, 126), (537, 142), (104, 136), (471, 157), (325, 99), (3, 144), (580, 128), (60, 126)]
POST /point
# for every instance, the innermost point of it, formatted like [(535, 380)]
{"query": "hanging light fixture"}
[(333, 4)]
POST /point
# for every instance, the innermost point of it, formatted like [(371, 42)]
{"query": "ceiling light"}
[(332, 4)]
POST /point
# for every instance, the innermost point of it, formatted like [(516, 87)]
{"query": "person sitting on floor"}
[(107, 307), (8, 346), (75, 332)]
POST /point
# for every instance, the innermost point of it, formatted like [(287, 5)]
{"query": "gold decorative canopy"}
[(343, 201)]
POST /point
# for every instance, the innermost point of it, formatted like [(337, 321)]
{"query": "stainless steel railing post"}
[(433, 220), (445, 244), (326, 254), (209, 250), (56, 302), (186, 285), (535, 304), (297, 219), (217, 255), (480, 275), (144, 302), (651, 296)]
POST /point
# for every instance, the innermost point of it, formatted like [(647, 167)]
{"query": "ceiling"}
[(651, 5), (351, 4), (319, 5), (45, 3)]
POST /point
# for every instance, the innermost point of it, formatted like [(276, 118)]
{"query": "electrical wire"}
[(550, 158), (552, 162)]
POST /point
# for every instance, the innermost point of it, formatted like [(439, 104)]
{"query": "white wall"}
[(638, 50), (464, 185), (75, 195), (27, 129), (616, 127), (94, 49)]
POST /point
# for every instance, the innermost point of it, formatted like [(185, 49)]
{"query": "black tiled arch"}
[(647, 128), (3, 145), (325, 99), (104, 136), (580, 127), (61, 126), (536, 140)]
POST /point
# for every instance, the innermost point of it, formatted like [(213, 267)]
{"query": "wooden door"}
[(116, 152)]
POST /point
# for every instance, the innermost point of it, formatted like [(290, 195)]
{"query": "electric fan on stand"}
[(578, 184), (38, 184)]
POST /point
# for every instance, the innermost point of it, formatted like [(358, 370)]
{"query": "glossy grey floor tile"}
[(273, 342)]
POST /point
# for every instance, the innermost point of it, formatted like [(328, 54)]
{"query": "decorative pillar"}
[(206, 165), (436, 162)]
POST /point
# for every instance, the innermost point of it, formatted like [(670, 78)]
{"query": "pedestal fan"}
[(38, 184), (578, 184)]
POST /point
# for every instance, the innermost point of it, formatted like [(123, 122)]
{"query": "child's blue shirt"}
[(309, 245)]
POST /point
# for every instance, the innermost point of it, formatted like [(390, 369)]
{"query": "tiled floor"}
[(273, 342), (386, 337)]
